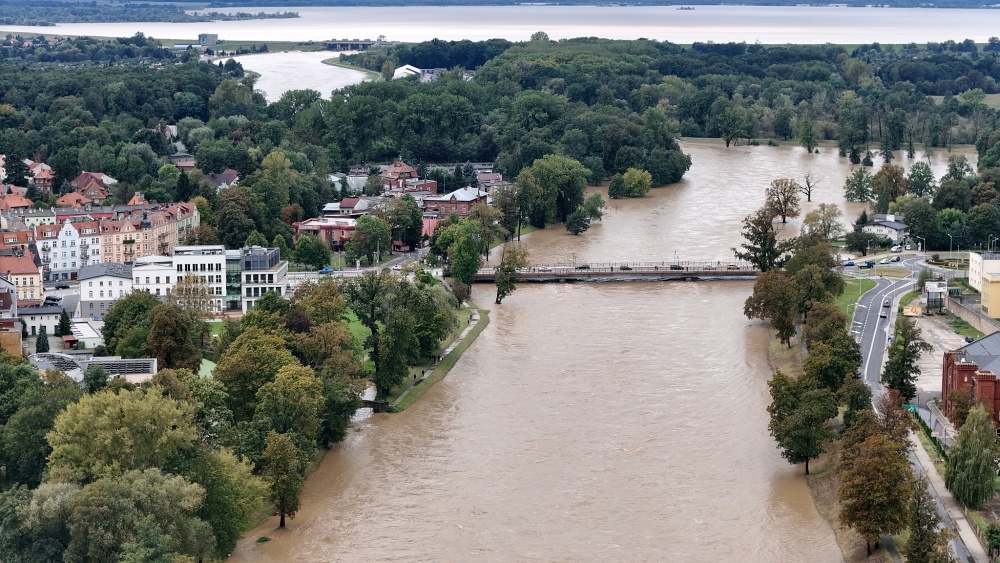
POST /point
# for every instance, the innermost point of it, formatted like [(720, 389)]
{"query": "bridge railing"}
[(637, 266)]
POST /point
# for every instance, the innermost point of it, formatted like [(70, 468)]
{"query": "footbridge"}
[(628, 271)]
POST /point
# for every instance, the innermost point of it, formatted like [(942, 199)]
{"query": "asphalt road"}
[(872, 332)]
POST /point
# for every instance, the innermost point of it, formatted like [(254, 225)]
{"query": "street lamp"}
[(950, 240), (923, 245)]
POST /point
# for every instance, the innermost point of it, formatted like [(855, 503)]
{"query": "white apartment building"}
[(155, 274), (263, 270), (101, 285), (159, 274), (980, 264)]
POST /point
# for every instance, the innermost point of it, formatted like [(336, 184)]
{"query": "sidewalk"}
[(966, 530)]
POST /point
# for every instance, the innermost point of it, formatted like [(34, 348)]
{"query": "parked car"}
[(732, 267), (397, 267), (969, 339), (849, 263), (624, 267), (883, 261), (324, 271), (895, 259), (62, 286), (908, 247), (896, 248), (583, 267), (676, 267), (708, 267)]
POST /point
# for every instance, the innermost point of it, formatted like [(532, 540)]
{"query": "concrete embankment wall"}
[(980, 323)]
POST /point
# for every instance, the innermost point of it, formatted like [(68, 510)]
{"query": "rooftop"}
[(112, 269)]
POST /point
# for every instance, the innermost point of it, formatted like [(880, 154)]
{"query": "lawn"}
[(961, 327), (853, 288)]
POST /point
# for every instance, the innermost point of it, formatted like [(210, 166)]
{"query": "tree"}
[(890, 179), (617, 188), (234, 496), (64, 327), (23, 448), (799, 413), (170, 338), (370, 239), (42, 340), (578, 221), (282, 246), (291, 405), (782, 198), (860, 241), (513, 257), (810, 186), (312, 251), (95, 378), (637, 182), (921, 179), (875, 488), (251, 361), (255, 238), (283, 471), (824, 221), (194, 296), (807, 133), (465, 253), (762, 247), (928, 542), (594, 206), (774, 298), (901, 368), (562, 181), (856, 395), (971, 466), (858, 187), (125, 314), (106, 434)]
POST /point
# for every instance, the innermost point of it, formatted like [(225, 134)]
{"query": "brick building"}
[(975, 365)]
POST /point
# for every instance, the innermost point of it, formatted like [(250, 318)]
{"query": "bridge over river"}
[(629, 271)]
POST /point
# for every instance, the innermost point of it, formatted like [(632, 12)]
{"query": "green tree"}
[(312, 251), (283, 471), (23, 448), (971, 466), (859, 186), (617, 188), (594, 206), (465, 253), (807, 133), (774, 298), (637, 182), (106, 434), (875, 488), (64, 327), (762, 247), (281, 245), (370, 239), (251, 361), (927, 543), (42, 340), (799, 414), (901, 368), (95, 378), (578, 221), (292, 405), (782, 198), (170, 338), (856, 395), (131, 311), (562, 181), (921, 179), (513, 258), (234, 495), (256, 238), (824, 221)]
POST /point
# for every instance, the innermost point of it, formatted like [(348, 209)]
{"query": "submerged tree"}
[(762, 247), (799, 414), (513, 258)]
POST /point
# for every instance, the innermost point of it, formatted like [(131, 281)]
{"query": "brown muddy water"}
[(590, 422)]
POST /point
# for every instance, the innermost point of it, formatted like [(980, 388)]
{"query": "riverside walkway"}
[(628, 271)]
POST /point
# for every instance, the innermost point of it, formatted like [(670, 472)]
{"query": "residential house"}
[(95, 186), (101, 285), (41, 176), (459, 201), (73, 199), (334, 231), (890, 228), (348, 207), (36, 217), (20, 268), (224, 179), (395, 175), (183, 161), (982, 264), (10, 325)]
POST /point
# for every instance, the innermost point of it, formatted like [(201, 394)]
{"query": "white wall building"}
[(207, 262), (155, 274), (263, 270), (980, 264), (101, 285)]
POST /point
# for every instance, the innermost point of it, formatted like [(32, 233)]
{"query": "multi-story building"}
[(334, 231), (263, 271), (154, 274), (101, 285), (234, 280), (20, 269), (207, 262), (459, 201), (124, 240)]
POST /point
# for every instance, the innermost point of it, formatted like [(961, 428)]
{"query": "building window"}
[(147, 280), (168, 279), (157, 291), (157, 279)]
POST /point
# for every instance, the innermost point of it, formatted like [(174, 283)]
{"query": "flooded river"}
[(590, 422)]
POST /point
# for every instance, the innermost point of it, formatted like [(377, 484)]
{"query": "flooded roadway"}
[(589, 422)]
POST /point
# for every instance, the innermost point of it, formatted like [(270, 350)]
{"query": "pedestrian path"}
[(473, 321), (966, 531)]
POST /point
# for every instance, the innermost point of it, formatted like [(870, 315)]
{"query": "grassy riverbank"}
[(335, 61)]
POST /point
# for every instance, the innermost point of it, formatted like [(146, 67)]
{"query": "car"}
[(896, 248), (543, 269), (676, 267), (62, 286), (583, 267), (883, 261), (708, 267), (886, 303), (849, 263), (624, 267), (883, 315), (397, 267), (908, 247), (895, 259), (969, 339), (867, 265), (324, 271), (732, 267)]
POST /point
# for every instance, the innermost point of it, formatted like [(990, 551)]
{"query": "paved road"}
[(872, 331)]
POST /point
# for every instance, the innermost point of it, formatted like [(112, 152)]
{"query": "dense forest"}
[(51, 12), (551, 115)]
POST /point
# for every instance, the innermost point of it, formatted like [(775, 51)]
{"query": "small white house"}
[(893, 230)]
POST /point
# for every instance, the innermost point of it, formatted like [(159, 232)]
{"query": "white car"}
[(908, 247), (397, 267), (883, 261)]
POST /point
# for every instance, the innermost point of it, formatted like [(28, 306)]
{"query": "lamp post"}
[(923, 245), (950, 240), (989, 243)]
